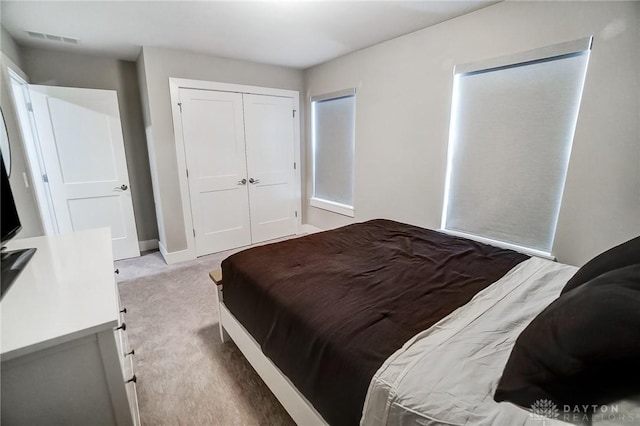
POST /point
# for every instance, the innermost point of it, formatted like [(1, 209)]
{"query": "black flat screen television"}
[(10, 220), (12, 262)]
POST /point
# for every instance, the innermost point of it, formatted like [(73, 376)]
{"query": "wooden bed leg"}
[(216, 277)]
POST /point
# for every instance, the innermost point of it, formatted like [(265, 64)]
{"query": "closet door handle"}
[(254, 181), (242, 182), (122, 187)]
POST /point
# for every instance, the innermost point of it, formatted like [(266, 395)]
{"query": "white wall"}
[(9, 46), (403, 106), (155, 67), (59, 68)]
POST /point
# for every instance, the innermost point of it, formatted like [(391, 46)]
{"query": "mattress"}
[(328, 309), (448, 374)]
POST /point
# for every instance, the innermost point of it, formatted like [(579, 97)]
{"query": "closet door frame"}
[(175, 84)]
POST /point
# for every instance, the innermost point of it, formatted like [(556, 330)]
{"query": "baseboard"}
[(148, 245), (175, 256), (306, 228)]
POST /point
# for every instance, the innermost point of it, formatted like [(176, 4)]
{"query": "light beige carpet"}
[(186, 376)]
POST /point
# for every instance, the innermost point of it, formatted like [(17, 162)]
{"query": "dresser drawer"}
[(126, 355), (132, 395)]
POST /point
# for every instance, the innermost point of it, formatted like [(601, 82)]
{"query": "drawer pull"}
[(117, 271), (134, 379), (123, 311), (132, 352), (123, 327)]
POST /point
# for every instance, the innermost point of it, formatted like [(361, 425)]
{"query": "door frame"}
[(175, 84), (31, 145)]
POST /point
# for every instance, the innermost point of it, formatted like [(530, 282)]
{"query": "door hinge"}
[(45, 178), (194, 233), (294, 113), (29, 107), (294, 165), (180, 105), (296, 213), (187, 172)]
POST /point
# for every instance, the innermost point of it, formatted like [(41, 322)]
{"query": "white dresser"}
[(64, 349)]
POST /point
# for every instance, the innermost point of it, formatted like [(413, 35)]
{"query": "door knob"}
[(254, 181), (242, 182), (122, 187)]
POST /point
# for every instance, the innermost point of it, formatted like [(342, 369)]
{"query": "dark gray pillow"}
[(625, 254), (583, 349)]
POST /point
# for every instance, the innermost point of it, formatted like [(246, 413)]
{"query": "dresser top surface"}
[(66, 291)]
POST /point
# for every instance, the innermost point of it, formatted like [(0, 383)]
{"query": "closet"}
[(240, 165)]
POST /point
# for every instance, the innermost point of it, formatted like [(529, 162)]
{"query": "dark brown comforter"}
[(329, 308)]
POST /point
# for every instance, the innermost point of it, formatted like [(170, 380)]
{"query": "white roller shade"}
[(511, 133), (333, 127)]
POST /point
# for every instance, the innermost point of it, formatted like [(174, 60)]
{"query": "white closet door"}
[(83, 150), (270, 151), (213, 131)]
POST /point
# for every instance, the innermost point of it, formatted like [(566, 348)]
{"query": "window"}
[(333, 118), (512, 126)]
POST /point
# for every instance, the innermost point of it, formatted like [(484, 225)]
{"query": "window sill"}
[(334, 207)]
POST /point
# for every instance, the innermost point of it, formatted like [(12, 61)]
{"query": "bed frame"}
[(298, 407)]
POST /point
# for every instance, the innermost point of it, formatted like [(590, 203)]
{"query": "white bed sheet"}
[(447, 375)]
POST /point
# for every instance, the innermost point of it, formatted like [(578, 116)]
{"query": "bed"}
[(385, 323)]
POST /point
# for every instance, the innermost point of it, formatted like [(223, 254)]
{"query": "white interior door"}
[(83, 149), (269, 127), (213, 132)]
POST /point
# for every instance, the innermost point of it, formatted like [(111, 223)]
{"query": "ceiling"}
[(296, 34)]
